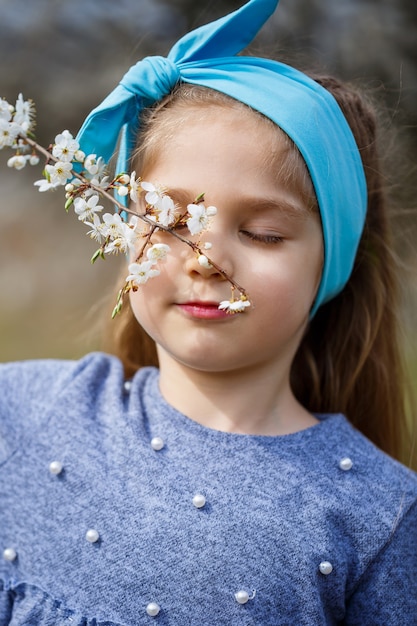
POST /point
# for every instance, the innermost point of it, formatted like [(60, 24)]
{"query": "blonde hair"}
[(349, 360)]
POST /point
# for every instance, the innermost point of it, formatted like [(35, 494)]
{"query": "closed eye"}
[(262, 238)]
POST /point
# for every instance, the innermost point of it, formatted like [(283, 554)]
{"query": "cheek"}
[(150, 299), (289, 283), (317, 269), (137, 303), (142, 309)]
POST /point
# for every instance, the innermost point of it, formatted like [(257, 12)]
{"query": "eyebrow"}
[(263, 205), (182, 197)]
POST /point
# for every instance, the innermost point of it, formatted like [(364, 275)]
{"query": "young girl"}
[(225, 487)]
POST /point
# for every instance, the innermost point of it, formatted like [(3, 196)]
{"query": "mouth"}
[(203, 310)]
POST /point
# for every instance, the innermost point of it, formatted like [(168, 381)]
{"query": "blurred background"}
[(68, 54)]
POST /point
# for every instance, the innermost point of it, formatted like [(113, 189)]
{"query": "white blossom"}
[(100, 181), (124, 241), (141, 272), (234, 306), (45, 185), (154, 194), (157, 252), (18, 162), (5, 110), (134, 187), (93, 165), (134, 221), (24, 112), (86, 209), (9, 132), (90, 164), (96, 231), (65, 146), (199, 217), (79, 156), (166, 208), (112, 225), (59, 173)]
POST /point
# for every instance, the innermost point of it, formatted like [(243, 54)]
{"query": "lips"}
[(203, 310)]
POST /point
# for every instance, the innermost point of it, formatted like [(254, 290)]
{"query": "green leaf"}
[(68, 203), (117, 309), (98, 253), (200, 198)]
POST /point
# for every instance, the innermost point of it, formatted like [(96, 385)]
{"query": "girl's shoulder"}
[(369, 456), (47, 375), (372, 482), (375, 498), (28, 389)]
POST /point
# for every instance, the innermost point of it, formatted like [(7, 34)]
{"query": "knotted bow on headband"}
[(303, 109)]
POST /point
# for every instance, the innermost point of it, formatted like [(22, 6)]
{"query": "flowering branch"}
[(86, 183)]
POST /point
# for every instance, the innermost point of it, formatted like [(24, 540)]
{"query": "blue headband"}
[(307, 112)]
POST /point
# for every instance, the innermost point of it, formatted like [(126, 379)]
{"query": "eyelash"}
[(267, 239)]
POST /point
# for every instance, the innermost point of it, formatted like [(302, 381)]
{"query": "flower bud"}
[(18, 162), (204, 262)]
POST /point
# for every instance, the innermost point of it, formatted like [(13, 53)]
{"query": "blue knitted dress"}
[(115, 509)]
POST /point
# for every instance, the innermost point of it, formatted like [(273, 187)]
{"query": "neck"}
[(244, 401)]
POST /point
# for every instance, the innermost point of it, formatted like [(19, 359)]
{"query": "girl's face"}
[(263, 236)]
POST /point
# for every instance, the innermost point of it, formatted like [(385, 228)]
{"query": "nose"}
[(214, 261), (204, 266)]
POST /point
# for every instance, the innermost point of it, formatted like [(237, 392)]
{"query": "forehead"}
[(164, 125), (212, 140), (255, 145)]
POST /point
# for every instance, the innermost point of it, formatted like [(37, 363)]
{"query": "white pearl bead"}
[(199, 500), (127, 385), (56, 467), (346, 464), (153, 609), (326, 568), (92, 535), (10, 554), (241, 596), (157, 443)]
